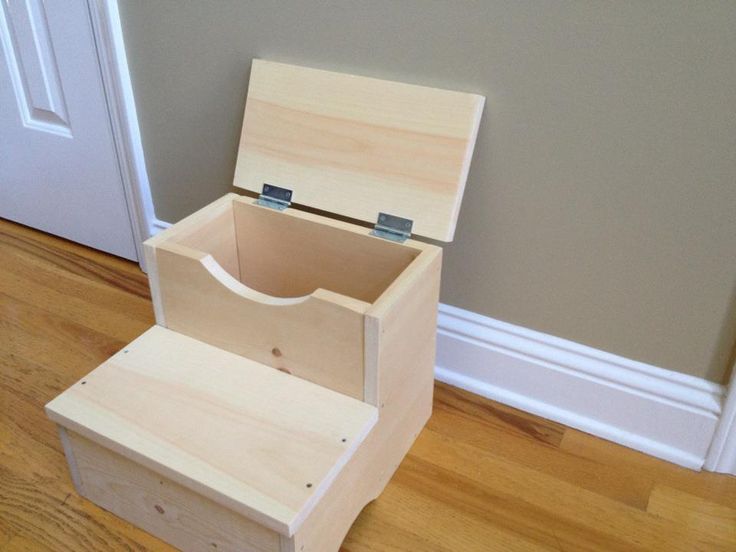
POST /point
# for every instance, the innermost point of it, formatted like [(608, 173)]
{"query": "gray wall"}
[(601, 205)]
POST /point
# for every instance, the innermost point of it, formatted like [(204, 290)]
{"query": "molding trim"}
[(722, 453), (663, 413), (108, 34)]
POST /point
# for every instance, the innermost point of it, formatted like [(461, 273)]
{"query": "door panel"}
[(34, 73), (59, 170)]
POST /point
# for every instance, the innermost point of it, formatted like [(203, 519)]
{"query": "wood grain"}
[(167, 400), (357, 146), (162, 506), (304, 282), (482, 477)]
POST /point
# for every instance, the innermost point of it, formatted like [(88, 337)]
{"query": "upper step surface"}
[(258, 441)]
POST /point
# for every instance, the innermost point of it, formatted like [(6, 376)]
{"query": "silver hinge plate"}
[(274, 197), (391, 227)]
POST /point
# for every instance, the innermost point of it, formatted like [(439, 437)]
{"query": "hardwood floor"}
[(481, 476)]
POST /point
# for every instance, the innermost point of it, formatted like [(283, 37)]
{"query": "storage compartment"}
[(289, 289), (293, 256)]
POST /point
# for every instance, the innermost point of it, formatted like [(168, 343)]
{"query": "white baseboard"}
[(722, 454), (660, 412)]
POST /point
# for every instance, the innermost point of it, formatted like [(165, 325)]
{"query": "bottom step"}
[(204, 448)]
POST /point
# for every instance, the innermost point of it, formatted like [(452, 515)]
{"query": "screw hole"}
[(309, 485), (344, 440)]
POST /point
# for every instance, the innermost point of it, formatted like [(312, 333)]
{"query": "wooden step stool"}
[(189, 432)]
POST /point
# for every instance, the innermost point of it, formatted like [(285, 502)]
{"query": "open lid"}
[(358, 146)]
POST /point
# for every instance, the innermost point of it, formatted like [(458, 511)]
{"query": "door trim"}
[(108, 34)]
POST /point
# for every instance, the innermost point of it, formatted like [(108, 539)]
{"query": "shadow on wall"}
[(725, 351)]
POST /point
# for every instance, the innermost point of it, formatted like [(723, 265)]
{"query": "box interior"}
[(291, 256)]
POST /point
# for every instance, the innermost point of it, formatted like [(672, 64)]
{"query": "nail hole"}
[(125, 351), (344, 440), (284, 370), (159, 509), (309, 485), (276, 352), (84, 383)]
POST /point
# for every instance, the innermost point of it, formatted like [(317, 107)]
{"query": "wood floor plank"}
[(572, 514), (472, 420), (72, 258), (74, 296), (694, 512), (481, 477), (45, 338), (604, 456)]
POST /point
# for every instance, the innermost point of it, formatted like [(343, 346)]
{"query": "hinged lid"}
[(358, 146)]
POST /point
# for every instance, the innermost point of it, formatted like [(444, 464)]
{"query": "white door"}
[(59, 170)]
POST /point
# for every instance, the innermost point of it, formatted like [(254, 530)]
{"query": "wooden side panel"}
[(357, 146), (162, 507), (187, 230), (367, 473), (216, 236), (154, 282), (318, 339), (400, 330), (71, 461)]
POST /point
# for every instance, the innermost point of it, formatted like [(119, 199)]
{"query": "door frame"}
[(113, 61)]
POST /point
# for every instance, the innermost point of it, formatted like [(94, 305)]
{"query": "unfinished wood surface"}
[(293, 253), (64, 309), (372, 466), (357, 146), (163, 507), (400, 350), (262, 443), (401, 331), (216, 216), (304, 282), (318, 337)]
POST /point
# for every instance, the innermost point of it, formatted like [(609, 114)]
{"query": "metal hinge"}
[(391, 227), (274, 197)]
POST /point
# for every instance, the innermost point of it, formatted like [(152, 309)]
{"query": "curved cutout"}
[(238, 287)]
